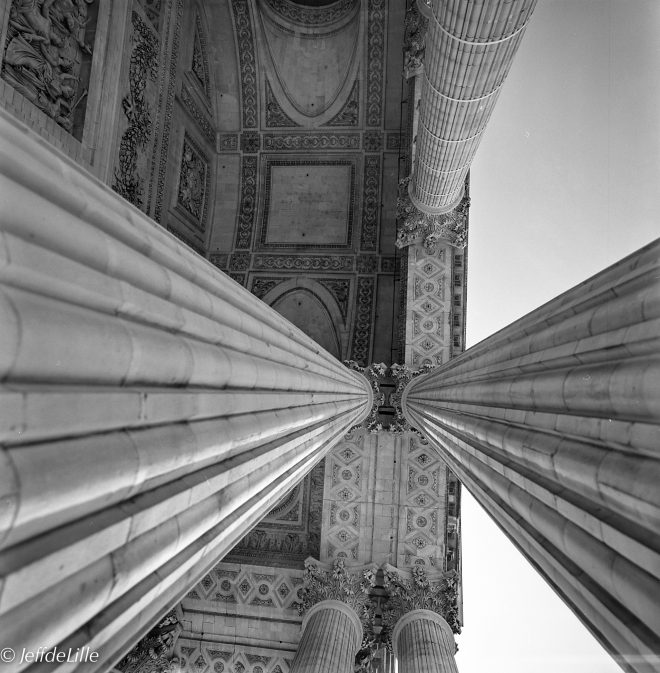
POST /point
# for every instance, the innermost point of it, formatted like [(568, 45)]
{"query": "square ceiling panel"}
[(308, 203)]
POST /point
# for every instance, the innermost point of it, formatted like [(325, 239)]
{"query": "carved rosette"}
[(416, 590), (153, 654), (373, 373), (416, 226)]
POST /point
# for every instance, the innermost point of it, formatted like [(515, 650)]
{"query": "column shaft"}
[(152, 409), (469, 49), (552, 424), (424, 643), (331, 638)]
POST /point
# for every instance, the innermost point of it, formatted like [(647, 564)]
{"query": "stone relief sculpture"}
[(44, 53), (192, 181), (414, 41)]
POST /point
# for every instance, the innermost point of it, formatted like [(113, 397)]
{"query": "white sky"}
[(566, 182)]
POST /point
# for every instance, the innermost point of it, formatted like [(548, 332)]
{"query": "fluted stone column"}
[(424, 643), (553, 425), (470, 47), (152, 409), (332, 634)]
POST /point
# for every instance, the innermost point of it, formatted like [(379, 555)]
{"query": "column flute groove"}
[(152, 409), (553, 425)]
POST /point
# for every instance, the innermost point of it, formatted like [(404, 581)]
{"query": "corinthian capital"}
[(417, 226), (418, 590), (323, 582)]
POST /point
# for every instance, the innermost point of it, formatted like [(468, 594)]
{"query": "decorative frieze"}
[(364, 308), (416, 226), (371, 202), (375, 61), (305, 262), (247, 62), (248, 205), (292, 142), (45, 50), (143, 66)]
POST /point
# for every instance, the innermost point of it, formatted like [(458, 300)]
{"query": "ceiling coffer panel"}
[(314, 66)]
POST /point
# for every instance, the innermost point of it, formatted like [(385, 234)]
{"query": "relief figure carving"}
[(44, 55)]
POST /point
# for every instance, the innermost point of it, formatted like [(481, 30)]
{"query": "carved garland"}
[(143, 65)]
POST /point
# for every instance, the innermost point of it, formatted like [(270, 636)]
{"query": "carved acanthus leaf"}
[(403, 374), (415, 590), (373, 373), (419, 227), (153, 654), (323, 582)]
